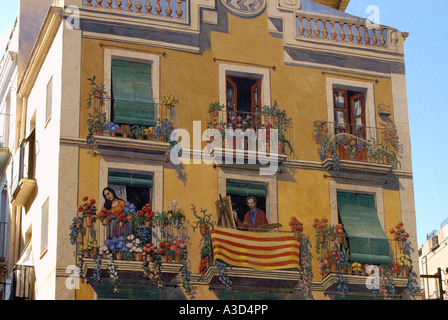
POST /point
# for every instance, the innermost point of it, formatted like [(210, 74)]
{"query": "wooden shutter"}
[(133, 102), (231, 101), (246, 189), (130, 179), (368, 242), (256, 103)]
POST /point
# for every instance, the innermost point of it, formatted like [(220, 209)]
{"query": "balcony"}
[(153, 9), (356, 148), (23, 174), (109, 137), (385, 261), (248, 137)]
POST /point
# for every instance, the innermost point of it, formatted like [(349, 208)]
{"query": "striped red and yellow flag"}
[(256, 250)]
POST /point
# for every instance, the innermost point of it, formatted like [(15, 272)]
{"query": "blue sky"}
[(425, 52)]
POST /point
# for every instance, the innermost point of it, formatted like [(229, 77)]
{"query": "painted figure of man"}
[(254, 218)]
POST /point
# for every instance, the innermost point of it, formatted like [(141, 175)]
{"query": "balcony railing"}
[(165, 9), (341, 141), (256, 127), (23, 173), (355, 32), (335, 257), (159, 124)]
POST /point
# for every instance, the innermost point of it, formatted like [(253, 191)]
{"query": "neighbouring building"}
[(100, 96), (433, 262)]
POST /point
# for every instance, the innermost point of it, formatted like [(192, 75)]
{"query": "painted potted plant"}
[(149, 133), (117, 246), (338, 231), (105, 217), (125, 130), (404, 261), (323, 231), (147, 215), (161, 219), (400, 235), (179, 249), (138, 132), (177, 218), (112, 128), (297, 228), (88, 211), (214, 109), (204, 222), (396, 269), (97, 118), (163, 130), (169, 101), (74, 229), (357, 268)]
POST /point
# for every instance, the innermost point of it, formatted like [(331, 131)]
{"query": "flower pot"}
[(401, 244), (138, 256), (104, 256), (405, 272), (177, 223), (129, 217), (322, 238), (78, 225), (113, 134), (118, 255), (88, 219), (396, 274), (148, 258), (178, 258), (121, 224), (86, 254), (215, 113), (340, 239), (147, 224), (164, 259), (343, 270), (105, 222), (298, 236), (150, 137), (203, 229)]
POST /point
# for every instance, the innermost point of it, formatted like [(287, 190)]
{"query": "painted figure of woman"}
[(115, 205)]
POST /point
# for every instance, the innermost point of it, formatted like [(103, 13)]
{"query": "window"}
[(44, 228), (366, 237), (132, 96), (49, 102), (239, 192), (349, 117), (123, 188), (243, 99)]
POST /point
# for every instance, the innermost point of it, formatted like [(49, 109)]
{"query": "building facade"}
[(107, 209), (433, 262)]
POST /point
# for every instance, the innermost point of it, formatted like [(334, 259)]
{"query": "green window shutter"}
[(133, 102), (368, 242), (130, 179), (246, 189)]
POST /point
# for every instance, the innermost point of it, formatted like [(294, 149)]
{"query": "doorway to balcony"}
[(243, 102)]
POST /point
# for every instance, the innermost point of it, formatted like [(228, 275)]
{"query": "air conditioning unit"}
[(434, 241)]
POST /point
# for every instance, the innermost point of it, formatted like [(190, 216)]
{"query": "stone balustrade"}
[(346, 31), (170, 9)]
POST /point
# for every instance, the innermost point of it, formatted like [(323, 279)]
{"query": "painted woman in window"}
[(116, 206), (254, 218)]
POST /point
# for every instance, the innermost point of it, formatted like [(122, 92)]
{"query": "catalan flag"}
[(256, 250)]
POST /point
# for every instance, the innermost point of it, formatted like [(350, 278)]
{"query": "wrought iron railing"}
[(356, 142)]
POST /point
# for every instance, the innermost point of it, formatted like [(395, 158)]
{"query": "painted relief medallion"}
[(246, 8)]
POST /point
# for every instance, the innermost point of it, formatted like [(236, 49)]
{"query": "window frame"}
[(132, 56), (110, 163), (44, 249), (271, 183), (49, 101)]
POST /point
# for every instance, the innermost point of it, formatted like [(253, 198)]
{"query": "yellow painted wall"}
[(193, 79)]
